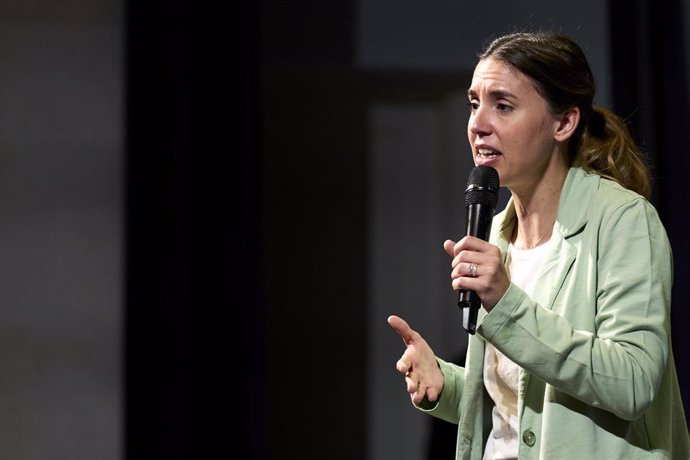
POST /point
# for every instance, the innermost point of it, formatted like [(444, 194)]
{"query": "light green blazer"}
[(598, 379)]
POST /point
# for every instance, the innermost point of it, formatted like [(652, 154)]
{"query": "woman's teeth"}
[(486, 152)]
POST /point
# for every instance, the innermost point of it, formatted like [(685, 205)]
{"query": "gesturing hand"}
[(418, 364)]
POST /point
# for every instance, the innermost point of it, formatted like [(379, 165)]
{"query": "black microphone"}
[(481, 197)]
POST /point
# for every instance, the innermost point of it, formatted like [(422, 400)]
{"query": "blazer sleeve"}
[(447, 407), (617, 364)]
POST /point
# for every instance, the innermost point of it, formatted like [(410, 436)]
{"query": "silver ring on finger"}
[(473, 270)]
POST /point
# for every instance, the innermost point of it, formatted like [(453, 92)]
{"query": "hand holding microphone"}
[(473, 257)]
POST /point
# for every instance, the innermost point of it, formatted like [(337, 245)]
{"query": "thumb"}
[(402, 328), (448, 245)]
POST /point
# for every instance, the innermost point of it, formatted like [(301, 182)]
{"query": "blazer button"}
[(529, 437)]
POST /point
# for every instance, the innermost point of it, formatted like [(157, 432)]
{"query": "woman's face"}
[(510, 127)]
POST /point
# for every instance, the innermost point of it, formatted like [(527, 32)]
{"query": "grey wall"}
[(443, 36), (61, 232)]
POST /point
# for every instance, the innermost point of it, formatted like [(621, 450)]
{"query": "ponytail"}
[(608, 149)]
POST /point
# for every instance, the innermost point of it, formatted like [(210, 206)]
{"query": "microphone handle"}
[(479, 218), (469, 303)]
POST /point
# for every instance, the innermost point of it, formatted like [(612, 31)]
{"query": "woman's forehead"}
[(490, 69), (494, 75)]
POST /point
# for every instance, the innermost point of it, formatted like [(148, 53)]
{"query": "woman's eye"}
[(504, 107), (474, 105)]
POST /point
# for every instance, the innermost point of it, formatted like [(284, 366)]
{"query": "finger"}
[(472, 243), (448, 245), (403, 365), (466, 282), (411, 383), (466, 257), (418, 396), (461, 269), (458, 247), (431, 394), (472, 270), (402, 328)]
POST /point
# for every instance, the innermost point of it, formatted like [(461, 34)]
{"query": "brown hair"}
[(561, 74)]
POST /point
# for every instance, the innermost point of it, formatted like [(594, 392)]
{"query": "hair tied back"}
[(597, 123)]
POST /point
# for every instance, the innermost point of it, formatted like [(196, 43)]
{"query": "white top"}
[(500, 373)]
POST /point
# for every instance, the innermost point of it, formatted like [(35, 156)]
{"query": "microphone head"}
[(482, 186)]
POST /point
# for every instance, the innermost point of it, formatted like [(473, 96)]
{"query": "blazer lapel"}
[(573, 207), (557, 264)]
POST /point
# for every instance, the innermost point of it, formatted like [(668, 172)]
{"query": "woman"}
[(572, 357)]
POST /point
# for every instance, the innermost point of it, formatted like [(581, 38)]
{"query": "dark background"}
[(246, 208)]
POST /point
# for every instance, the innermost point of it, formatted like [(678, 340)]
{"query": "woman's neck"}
[(536, 208)]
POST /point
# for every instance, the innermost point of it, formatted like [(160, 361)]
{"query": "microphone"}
[(481, 197)]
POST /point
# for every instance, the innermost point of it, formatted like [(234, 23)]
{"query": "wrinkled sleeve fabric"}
[(447, 407), (608, 344)]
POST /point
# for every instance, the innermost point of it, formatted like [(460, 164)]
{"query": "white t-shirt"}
[(500, 373)]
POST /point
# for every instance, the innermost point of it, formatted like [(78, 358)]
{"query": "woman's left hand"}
[(478, 266)]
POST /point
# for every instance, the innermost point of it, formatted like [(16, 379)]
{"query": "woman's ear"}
[(566, 124)]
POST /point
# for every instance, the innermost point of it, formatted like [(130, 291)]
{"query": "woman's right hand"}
[(478, 266), (418, 364)]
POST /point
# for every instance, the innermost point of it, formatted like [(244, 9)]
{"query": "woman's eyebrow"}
[(496, 94)]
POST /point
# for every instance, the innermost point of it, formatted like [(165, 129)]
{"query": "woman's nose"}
[(479, 122)]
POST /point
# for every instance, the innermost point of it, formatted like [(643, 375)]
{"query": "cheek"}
[(541, 135), (470, 137), (532, 134)]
